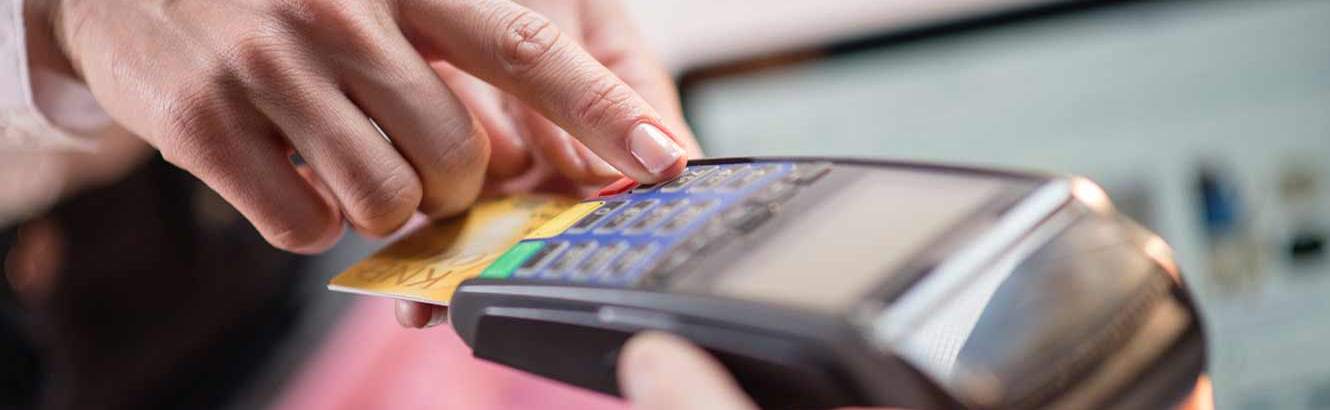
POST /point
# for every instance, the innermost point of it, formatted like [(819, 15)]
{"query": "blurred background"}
[(1208, 121)]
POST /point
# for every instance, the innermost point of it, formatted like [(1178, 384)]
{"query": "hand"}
[(560, 162), (661, 371), (230, 90)]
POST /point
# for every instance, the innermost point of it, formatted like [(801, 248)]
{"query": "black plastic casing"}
[(792, 358)]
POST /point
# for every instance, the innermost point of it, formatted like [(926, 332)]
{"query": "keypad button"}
[(805, 173), (625, 263), (746, 179), (655, 217), (596, 216), (776, 192), (712, 233), (690, 174), (705, 240), (623, 218), (593, 264), (507, 264), (540, 259), (668, 266), (570, 258), (685, 217), (747, 217), (716, 178), (644, 188)]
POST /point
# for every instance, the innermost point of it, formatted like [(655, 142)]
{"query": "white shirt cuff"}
[(27, 96)]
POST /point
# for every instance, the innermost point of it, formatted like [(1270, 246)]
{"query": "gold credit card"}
[(430, 263)]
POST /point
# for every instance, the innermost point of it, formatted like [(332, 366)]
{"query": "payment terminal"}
[(834, 282)]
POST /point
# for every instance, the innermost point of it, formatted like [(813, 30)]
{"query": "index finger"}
[(521, 52), (610, 35)]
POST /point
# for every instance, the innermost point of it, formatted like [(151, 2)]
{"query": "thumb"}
[(662, 371)]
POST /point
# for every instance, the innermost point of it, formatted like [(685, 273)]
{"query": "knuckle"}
[(601, 104), (354, 26), (272, 70), (315, 236), (384, 204), (298, 13), (195, 114), (457, 172), (527, 40), (467, 150), (264, 55), (451, 204), (290, 237)]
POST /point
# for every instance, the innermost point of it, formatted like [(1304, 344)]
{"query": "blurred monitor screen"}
[(1131, 78)]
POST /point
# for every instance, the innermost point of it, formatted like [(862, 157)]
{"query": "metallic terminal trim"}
[(919, 302)]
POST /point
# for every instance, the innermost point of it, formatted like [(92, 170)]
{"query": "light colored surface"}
[(1137, 97), (688, 33), (842, 247)]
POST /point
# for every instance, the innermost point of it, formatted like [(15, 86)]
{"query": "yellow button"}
[(564, 220)]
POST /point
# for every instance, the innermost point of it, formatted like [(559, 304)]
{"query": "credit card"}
[(430, 263)]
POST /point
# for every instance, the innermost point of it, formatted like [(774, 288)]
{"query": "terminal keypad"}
[(643, 236)]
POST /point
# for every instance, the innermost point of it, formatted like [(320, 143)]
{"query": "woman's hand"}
[(524, 143), (528, 151), (229, 90)]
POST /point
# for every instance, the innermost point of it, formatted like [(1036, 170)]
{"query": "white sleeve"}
[(28, 95)]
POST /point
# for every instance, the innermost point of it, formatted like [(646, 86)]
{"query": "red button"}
[(617, 187)]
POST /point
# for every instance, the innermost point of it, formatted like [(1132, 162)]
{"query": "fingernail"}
[(437, 316), (405, 315), (653, 148)]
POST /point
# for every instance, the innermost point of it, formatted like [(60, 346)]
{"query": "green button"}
[(506, 264)]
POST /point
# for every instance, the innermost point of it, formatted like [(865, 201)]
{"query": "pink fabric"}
[(369, 362)]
